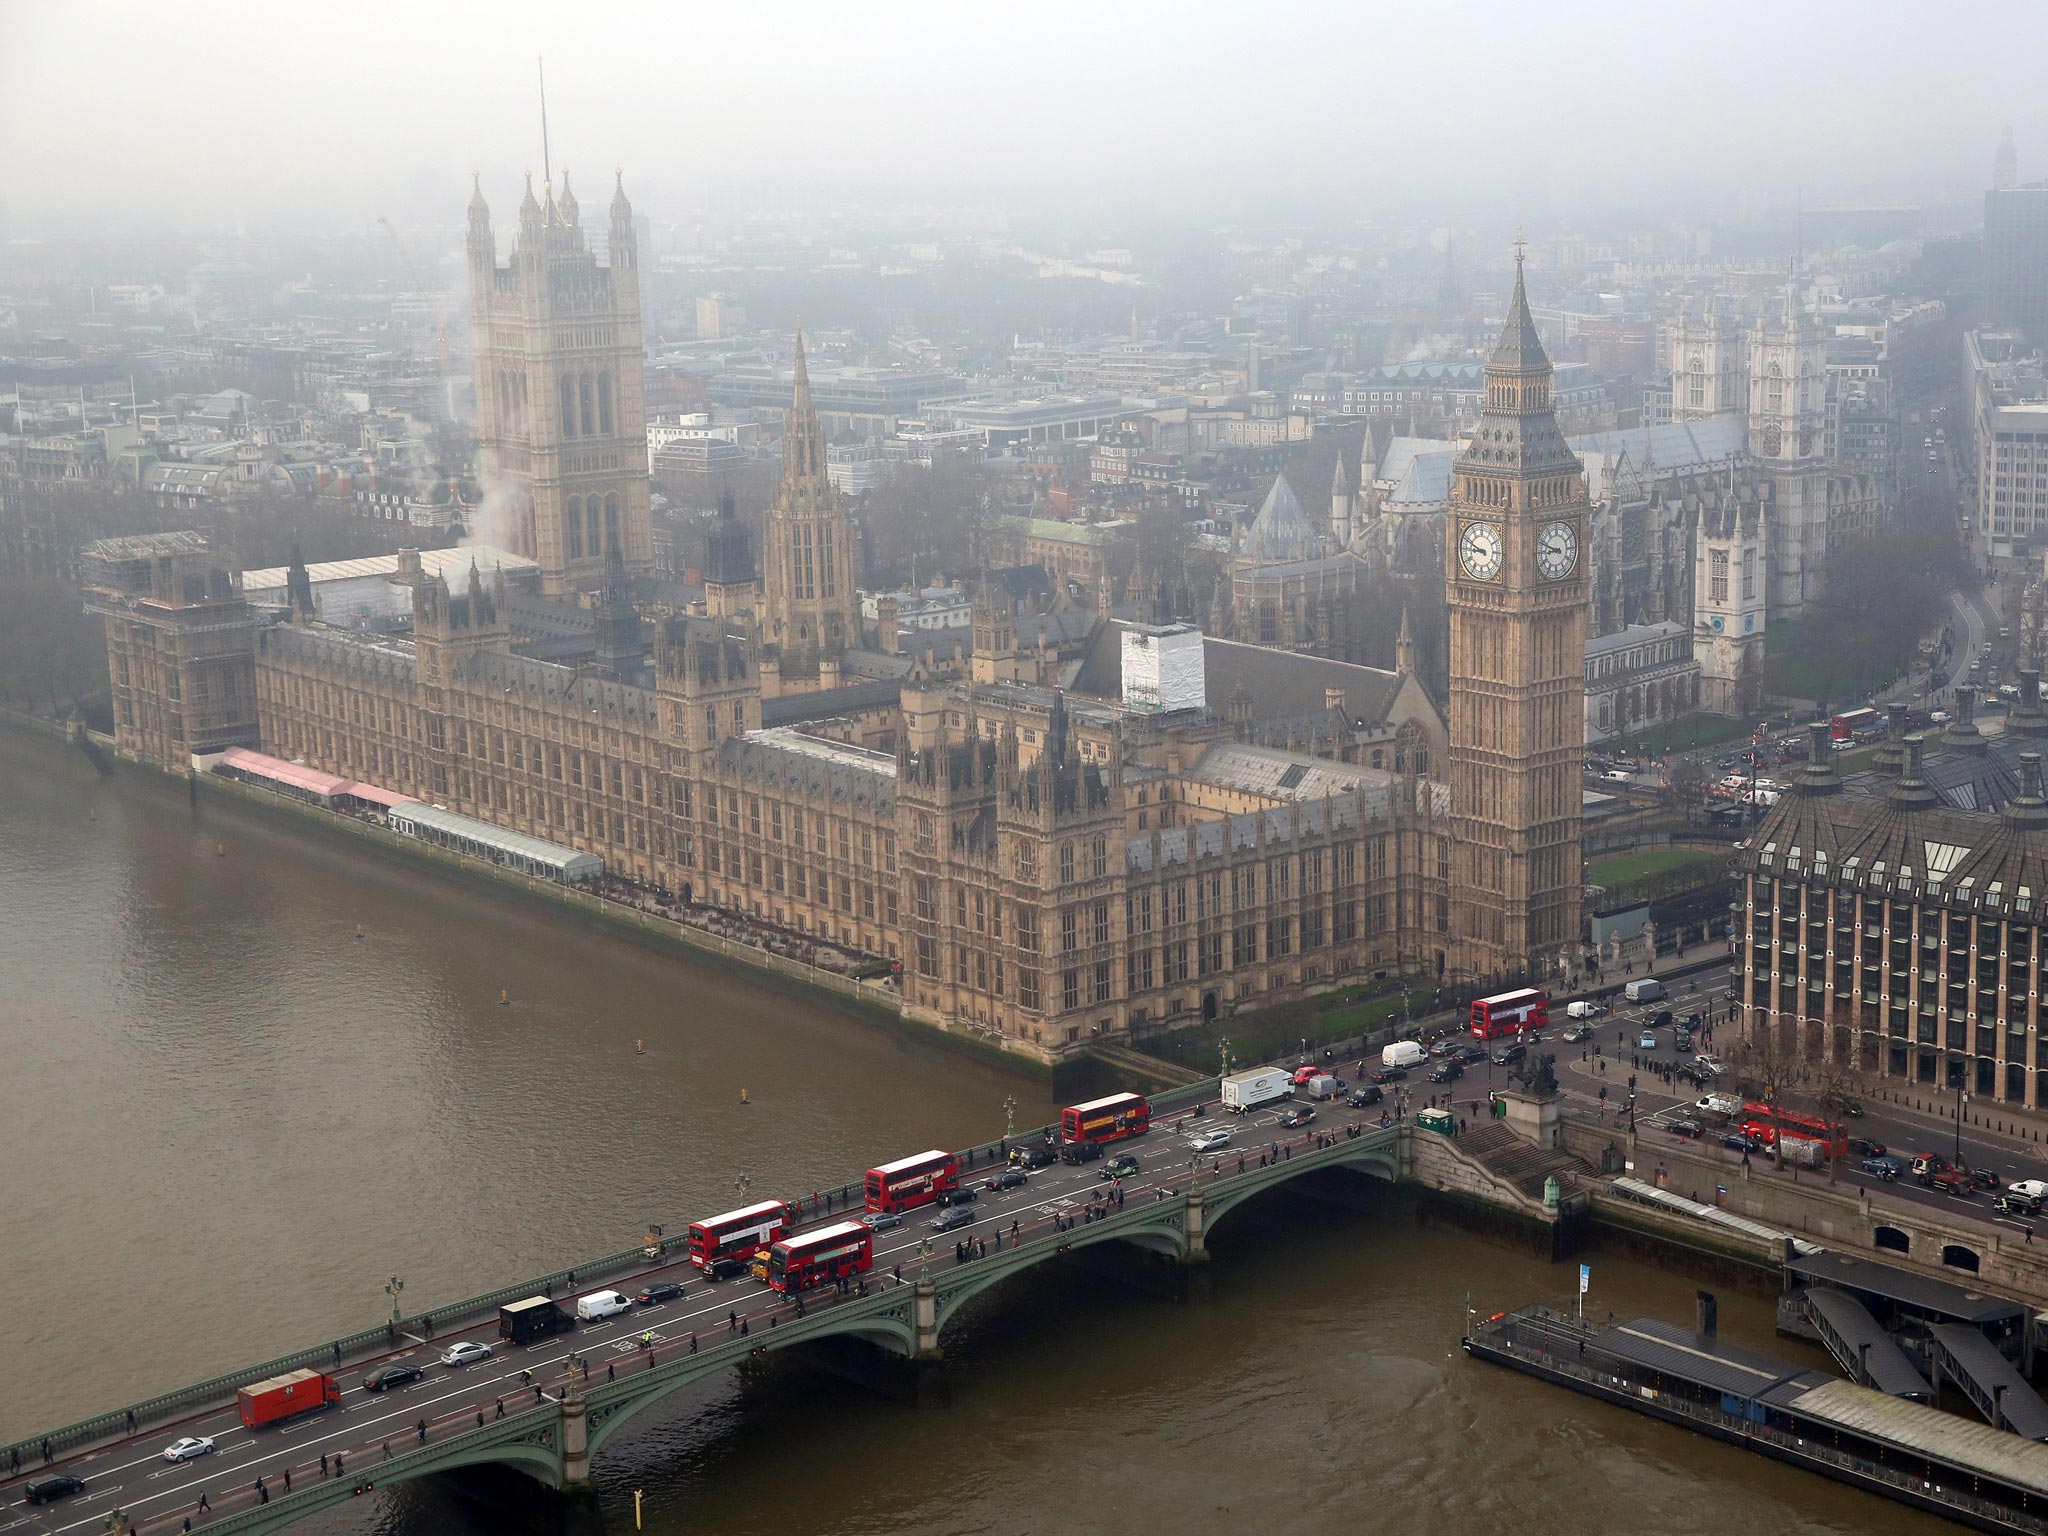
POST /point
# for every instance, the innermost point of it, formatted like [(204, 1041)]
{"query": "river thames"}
[(229, 1121)]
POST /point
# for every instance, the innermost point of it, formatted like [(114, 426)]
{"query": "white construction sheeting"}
[(1162, 668)]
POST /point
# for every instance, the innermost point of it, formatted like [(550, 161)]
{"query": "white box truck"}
[(1245, 1091), (1403, 1054)]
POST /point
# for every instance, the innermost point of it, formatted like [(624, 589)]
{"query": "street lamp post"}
[(1223, 1045), (1010, 1116), (392, 1289), (1962, 1098)]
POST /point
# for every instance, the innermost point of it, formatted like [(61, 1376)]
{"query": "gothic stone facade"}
[(558, 387), (1038, 879)]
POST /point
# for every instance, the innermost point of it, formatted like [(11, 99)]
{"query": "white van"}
[(1404, 1054), (1645, 989), (600, 1304)]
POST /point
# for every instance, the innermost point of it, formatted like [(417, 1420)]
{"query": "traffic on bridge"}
[(249, 1453)]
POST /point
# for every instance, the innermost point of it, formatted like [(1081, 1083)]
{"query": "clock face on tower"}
[(1479, 551), (1557, 550)]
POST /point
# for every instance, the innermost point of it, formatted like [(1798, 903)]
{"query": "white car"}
[(1209, 1141), (1713, 1064), (188, 1448), (2033, 1189), (468, 1352)]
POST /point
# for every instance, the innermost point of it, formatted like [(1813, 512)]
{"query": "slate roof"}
[(826, 703), (1282, 685), (832, 770), (1289, 775), (598, 697), (364, 654), (1208, 839)]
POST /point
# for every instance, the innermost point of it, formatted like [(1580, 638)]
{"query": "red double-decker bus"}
[(1767, 1122), (1852, 723), (912, 1181), (739, 1234), (820, 1257), (1110, 1119), (1510, 1013)]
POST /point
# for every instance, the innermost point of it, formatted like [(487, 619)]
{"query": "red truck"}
[(282, 1397)]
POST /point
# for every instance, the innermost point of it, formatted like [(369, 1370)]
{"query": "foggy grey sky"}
[(329, 115)]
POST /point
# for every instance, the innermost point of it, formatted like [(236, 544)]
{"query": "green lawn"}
[(1654, 863), (1270, 1032), (1687, 735)]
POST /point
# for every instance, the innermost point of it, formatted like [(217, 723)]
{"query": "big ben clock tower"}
[(1517, 589)]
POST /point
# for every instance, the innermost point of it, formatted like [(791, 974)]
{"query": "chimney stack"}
[(1912, 792), (1891, 757), (2028, 809), (1820, 777), (1962, 734)]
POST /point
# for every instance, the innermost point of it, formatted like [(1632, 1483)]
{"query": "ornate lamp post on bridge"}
[(392, 1289), (1223, 1045), (1009, 1117)]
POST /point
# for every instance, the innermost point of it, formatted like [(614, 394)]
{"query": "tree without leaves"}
[(924, 523)]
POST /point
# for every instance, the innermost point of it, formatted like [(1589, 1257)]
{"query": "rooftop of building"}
[(1633, 634), (1066, 533), (1949, 833), (1283, 775), (453, 564), (148, 546)]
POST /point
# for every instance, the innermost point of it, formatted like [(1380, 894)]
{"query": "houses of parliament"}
[(1052, 850)]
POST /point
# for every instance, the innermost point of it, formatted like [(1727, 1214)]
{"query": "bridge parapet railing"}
[(349, 1347)]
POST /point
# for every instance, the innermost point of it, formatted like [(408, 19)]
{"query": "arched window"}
[(1098, 859), (587, 396), (572, 527), (611, 522), (1066, 863), (568, 406), (1774, 389), (604, 403), (591, 536), (1696, 385)]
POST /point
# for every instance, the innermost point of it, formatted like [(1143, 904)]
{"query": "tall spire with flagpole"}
[(547, 164)]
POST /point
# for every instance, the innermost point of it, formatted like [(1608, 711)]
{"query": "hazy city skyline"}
[(219, 114)]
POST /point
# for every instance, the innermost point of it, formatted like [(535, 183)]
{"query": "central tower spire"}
[(808, 595)]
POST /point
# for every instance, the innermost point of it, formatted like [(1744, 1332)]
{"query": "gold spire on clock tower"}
[(1517, 589)]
